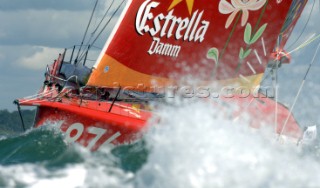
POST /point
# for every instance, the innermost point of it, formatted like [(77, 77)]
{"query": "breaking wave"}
[(193, 146)]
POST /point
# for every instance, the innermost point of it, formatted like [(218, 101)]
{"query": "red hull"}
[(161, 42), (90, 124), (262, 113)]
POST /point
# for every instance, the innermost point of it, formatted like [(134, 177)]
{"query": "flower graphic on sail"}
[(242, 7), (239, 5), (140, 49)]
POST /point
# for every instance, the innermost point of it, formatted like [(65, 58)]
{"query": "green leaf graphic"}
[(247, 33), (241, 53), (213, 53), (258, 34), (246, 53)]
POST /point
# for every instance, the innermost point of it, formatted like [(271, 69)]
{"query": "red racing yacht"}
[(152, 48)]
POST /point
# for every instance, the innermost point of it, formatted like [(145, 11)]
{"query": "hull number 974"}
[(76, 130)]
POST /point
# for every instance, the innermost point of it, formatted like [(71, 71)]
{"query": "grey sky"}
[(33, 32), (72, 5)]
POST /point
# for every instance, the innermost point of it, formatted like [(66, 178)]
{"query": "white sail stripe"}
[(244, 78), (252, 69), (264, 47), (258, 57)]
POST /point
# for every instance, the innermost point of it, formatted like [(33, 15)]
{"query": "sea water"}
[(193, 146)]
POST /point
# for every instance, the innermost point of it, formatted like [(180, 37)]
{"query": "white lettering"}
[(202, 31), (194, 15), (112, 138), (140, 26), (166, 23), (76, 130), (183, 25), (187, 29), (195, 27), (157, 26), (78, 127), (165, 49), (98, 132)]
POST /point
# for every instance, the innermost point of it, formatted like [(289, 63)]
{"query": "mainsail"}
[(159, 42)]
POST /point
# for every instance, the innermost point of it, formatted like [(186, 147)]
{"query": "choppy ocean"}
[(190, 148)]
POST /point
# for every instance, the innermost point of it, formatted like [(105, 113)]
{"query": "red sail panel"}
[(159, 42)]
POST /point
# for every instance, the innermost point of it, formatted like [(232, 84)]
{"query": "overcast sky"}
[(33, 32)]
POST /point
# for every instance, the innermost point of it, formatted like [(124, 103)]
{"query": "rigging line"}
[(83, 54), (35, 96), (28, 99), (303, 45), (266, 76), (20, 114), (274, 66), (305, 26), (95, 30), (85, 33), (107, 23), (114, 100), (262, 80), (268, 73), (275, 86), (96, 47), (104, 27), (299, 91), (271, 72), (104, 16)]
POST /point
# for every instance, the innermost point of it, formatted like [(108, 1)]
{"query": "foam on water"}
[(193, 146), (41, 159), (76, 167)]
